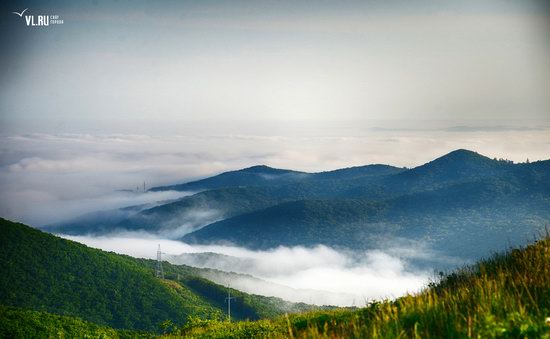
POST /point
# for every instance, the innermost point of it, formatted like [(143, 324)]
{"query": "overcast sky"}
[(126, 91), (283, 60)]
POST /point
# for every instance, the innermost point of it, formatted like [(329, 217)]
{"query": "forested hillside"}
[(45, 273), (21, 323)]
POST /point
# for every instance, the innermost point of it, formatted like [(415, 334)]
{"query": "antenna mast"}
[(159, 272), (228, 301)]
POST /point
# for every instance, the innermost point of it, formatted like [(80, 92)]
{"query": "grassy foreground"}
[(507, 296)]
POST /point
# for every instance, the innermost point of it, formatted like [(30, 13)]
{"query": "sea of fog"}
[(318, 275)]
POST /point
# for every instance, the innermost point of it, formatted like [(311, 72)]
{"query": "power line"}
[(228, 301), (159, 272)]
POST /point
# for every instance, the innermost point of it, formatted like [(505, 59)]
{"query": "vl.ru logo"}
[(40, 20)]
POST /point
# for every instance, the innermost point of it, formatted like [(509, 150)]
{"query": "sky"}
[(275, 60), (130, 91)]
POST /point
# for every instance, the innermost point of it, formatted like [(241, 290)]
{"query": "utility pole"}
[(159, 272), (228, 301), (144, 186)]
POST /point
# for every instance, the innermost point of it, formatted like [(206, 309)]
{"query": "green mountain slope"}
[(21, 323), (45, 273), (507, 296)]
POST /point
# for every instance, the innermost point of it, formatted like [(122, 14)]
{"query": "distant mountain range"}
[(461, 204)]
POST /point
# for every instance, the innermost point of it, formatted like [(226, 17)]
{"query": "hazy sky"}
[(281, 60), (167, 91)]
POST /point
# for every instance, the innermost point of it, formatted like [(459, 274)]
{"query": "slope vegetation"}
[(45, 273), (20, 323), (507, 296)]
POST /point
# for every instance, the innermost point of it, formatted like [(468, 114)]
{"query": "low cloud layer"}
[(42, 208), (318, 275), (46, 178), (171, 226), (188, 221)]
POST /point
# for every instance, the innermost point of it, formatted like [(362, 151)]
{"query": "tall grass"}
[(507, 296)]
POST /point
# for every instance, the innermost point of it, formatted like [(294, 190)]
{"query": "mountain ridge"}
[(454, 195)]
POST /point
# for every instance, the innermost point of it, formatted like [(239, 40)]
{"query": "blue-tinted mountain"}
[(252, 176), (455, 167), (466, 209), (463, 203), (192, 212)]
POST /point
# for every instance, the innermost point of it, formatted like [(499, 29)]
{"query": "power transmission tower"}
[(228, 301), (159, 272)]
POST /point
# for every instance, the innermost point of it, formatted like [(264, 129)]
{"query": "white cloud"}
[(319, 275), (187, 221)]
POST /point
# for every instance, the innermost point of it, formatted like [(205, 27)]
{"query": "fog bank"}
[(318, 275)]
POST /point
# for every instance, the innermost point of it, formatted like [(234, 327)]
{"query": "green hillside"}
[(20, 323), (507, 296), (45, 273)]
